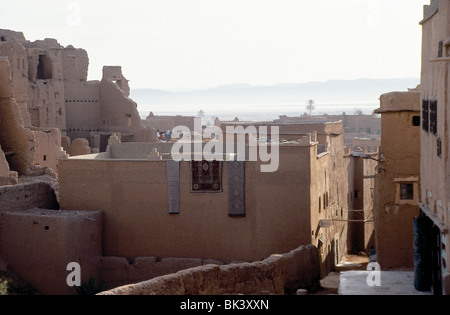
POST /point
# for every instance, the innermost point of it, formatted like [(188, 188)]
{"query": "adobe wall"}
[(32, 108), (46, 87), (370, 124), (361, 203), (140, 151), (160, 123), (48, 145), (82, 101), (366, 144), (277, 214), (399, 101), (435, 162), (319, 182), (329, 191), (118, 111), (39, 244), (435, 85), (114, 74), (18, 60), (277, 274), (80, 146), (9, 35), (165, 123), (119, 271), (75, 64), (14, 137), (101, 106), (25, 196), (21, 197), (187, 121), (292, 130), (400, 153), (4, 167), (50, 88)]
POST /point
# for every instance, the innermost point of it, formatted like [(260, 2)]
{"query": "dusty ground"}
[(329, 284)]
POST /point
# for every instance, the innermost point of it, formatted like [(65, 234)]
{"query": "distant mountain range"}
[(333, 91)]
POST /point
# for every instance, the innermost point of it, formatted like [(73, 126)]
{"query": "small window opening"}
[(433, 116), (3, 39), (439, 147), (416, 121), (44, 68), (44, 158), (406, 191), (425, 114), (441, 49)]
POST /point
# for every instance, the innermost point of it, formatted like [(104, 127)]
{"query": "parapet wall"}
[(39, 244), (277, 274), (400, 101), (118, 271)]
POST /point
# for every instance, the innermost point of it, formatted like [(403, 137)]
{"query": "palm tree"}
[(310, 106)]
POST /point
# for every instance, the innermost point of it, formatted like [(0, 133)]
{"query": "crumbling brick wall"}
[(277, 274)]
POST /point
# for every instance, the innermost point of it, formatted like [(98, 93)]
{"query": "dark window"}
[(441, 49), (425, 115), (44, 68), (439, 147), (416, 121), (406, 191), (3, 39), (433, 117), (356, 194)]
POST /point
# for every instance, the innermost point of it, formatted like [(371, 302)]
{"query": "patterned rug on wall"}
[(206, 176)]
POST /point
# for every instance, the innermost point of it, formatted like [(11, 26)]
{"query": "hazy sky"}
[(183, 44)]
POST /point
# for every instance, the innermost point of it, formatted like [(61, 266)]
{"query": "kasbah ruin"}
[(86, 182)]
